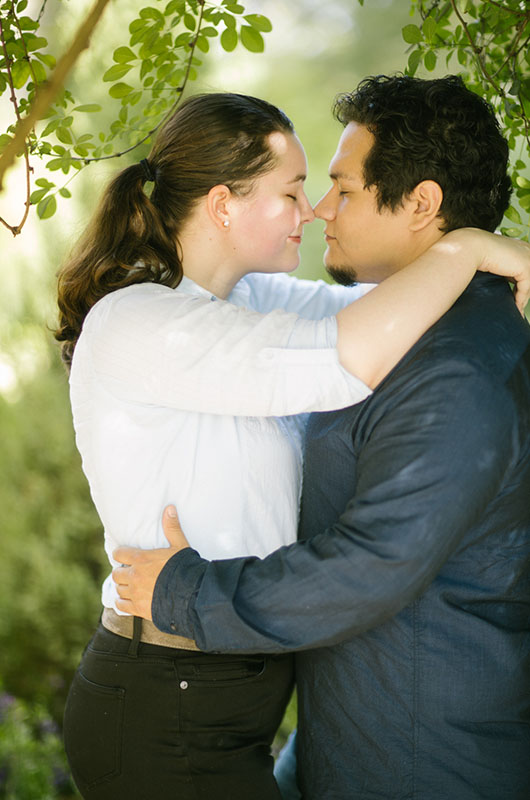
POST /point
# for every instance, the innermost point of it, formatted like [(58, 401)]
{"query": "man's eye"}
[(292, 196)]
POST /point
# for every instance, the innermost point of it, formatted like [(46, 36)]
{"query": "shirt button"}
[(173, 626), (184, 684)]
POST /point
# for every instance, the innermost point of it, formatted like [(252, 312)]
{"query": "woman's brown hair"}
[(211, 139)]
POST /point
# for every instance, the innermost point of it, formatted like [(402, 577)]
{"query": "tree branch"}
[(48, 91), (179, 90), (477, 52), (15, 229)]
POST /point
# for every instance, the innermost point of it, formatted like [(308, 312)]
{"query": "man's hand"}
[(135, 579)]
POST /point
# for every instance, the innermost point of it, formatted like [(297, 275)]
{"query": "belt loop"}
[(135, 641)]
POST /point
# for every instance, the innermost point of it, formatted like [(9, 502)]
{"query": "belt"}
[(123, 626)]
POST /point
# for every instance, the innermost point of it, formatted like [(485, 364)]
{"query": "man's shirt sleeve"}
[(433, 454)]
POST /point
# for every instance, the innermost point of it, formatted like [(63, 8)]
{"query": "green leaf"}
[(47, 207), (65, 192), (190, 22), (88, 108), (463, 56), (429, 28), (152, 13), (147, 66), (252, 39), (209, 31), (138, 25), (124, 54), (51, 127), (203, 44), (27, 24), (524, 183), (515, 233), (260, 22), (36, 196), (234, 8), (35, 42), (512, 214), (229, 21), (4, 141), (45, 183), (64, 135), (414, 61), (116, 72), (175, 7), (229, 39), (524, 202), (430, 60), (120, 90), (38, 71), (20, 73), (47, 59), (412, 34)]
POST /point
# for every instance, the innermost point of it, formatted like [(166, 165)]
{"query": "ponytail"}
[(126, 242)]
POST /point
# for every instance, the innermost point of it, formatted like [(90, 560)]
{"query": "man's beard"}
[(346, 276)]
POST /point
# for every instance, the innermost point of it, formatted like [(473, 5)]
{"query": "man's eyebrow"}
[(338, 175), (298, 178)]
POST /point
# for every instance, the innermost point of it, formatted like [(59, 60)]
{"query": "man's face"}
[(363, 243)]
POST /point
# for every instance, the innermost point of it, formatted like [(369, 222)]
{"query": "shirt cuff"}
[(176, 585)]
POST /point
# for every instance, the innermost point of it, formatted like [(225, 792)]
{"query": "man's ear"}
[(425, 203), (218, 205)]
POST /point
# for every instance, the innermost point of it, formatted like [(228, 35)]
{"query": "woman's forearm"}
[(375, 332)]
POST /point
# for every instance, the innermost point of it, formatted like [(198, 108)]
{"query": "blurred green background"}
[(51, 559)]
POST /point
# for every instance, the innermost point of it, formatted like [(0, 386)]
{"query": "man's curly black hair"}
[(432, 130)]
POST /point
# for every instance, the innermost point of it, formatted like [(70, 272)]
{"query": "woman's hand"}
[(499, 255)]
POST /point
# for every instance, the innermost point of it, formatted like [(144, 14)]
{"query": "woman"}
[(179, 396)]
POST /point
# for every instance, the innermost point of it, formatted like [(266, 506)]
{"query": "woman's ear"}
[(425, 203), (218, 205)]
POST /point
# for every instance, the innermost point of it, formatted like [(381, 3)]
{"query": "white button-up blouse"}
[(179, 397)]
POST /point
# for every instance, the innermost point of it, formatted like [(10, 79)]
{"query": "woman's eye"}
[(292, 196)]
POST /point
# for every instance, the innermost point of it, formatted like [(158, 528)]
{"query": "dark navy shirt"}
[(408, 598)]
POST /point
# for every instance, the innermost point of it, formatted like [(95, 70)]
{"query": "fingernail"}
[(171, 511)]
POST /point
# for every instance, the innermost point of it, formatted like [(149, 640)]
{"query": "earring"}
[(226, 223)]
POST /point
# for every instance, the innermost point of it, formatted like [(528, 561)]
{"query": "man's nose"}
[(324, 207)]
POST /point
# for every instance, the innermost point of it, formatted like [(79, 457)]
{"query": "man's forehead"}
[(354, 144)]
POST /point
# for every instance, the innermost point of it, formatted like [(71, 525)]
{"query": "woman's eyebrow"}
[(298, 178)]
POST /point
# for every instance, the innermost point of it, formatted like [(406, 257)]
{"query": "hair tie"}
[(148, 172)]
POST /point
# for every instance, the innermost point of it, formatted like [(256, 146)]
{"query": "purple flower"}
[(6, 702)]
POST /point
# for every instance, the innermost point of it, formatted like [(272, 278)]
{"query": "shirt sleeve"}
[(309, 299), (153, 345), (433, 456)]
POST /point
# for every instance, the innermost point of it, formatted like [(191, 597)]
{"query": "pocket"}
[(215, 673), (93, 726)]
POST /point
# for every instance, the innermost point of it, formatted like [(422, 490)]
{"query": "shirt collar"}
[(190, 287), (241, 290)]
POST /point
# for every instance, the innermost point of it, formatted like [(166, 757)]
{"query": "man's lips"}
[(296, 239)]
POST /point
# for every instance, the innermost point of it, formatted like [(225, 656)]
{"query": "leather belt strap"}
[(123, 626)]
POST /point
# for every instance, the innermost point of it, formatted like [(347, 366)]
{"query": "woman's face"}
[(266, 225)]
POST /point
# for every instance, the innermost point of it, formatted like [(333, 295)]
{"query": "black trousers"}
[(144, 722)]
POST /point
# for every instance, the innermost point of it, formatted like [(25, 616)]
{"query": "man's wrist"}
[(177, 584)]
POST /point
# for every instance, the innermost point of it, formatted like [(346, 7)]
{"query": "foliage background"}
[(51, 561)]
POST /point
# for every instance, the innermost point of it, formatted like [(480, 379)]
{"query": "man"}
[(408, 598)]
